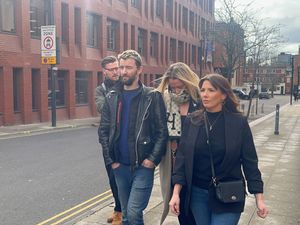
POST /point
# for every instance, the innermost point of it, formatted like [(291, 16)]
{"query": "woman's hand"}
[(175, 200), (174, 204), (261, 206)]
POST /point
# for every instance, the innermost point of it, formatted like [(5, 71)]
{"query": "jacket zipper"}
[(137, 137)]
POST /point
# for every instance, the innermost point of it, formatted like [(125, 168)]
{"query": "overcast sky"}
[(284, 12)]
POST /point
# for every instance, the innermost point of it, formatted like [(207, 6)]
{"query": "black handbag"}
[(227, 191)]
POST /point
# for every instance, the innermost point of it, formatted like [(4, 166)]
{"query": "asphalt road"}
[(43, 175), (264, 106)]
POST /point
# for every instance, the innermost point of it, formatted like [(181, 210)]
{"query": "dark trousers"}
[(114, 188), (183, 218)]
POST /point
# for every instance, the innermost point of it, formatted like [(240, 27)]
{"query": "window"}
[(169, 8), (146, 8), (112, 32), (159, 8), (142, 40), (185, 18), (172, 51), (40, 15), (64, 22), (17, 73), (194, 54), (35, 78), (81, 89), (135, 3), (179, 17), (152, 8), (99, 78), (77, 26), (93, 29), (59, 88), (202, 27), (201, 3), (132, 36), (7, 16), (125, 36), (154, 45), (180, 51), (192, 22), (210, 6)]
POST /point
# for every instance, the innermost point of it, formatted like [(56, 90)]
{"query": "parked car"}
[(240, 94), (262, 95)]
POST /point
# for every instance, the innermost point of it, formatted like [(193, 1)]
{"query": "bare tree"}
[(242, 34), (260, 41)]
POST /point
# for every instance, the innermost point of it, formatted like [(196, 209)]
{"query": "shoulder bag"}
[(227, 191)]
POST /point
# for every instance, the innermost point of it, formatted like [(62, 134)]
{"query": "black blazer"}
[(240, 153)]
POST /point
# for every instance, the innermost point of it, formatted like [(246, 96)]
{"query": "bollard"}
[(277, 120), (262, 108), (243, 108), (252, 111)]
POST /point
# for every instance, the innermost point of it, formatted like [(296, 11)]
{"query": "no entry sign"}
[(48, 44)]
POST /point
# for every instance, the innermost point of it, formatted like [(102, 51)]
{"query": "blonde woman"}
[(179, 87)]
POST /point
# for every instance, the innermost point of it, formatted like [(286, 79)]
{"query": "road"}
[(45, 174), (265, 106)]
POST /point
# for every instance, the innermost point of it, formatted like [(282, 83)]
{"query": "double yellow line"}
[(61, 217)]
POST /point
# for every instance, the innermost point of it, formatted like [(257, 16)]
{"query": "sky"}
[(283, 12)]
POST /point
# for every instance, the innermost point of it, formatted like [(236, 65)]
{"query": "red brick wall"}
[(21, 51)]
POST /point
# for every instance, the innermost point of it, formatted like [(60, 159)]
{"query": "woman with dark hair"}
[(216, 137)]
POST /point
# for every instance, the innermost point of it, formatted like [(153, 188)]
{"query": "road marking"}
[(108, 193), (79, 211)]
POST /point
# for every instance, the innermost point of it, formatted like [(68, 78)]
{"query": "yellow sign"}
[(49, 60)]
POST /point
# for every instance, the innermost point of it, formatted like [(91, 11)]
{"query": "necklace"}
[(211, 125)]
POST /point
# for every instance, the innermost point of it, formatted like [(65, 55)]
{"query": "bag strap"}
[(214, 179)]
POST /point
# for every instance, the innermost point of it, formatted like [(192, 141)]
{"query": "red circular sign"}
[(48, 42)]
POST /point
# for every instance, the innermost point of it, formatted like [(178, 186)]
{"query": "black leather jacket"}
[(147, 124)]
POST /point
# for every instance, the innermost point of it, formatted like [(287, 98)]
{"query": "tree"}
[(243, 35)]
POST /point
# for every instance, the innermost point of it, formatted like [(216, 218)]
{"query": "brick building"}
[(162, 31)]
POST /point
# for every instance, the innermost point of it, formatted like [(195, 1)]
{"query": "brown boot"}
[(111, 218), (117, 218)]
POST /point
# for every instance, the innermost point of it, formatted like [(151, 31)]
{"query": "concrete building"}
[(163, 32)]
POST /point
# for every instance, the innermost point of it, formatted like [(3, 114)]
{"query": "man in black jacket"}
[(110, 66), (133, 133)]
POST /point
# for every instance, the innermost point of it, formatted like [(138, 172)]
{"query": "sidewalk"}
[(279, 161), (28, 129)]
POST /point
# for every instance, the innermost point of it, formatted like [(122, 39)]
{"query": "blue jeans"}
[(134, 189), (204, 216)]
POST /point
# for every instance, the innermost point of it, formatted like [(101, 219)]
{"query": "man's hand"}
[(115, 165), (148, 164)]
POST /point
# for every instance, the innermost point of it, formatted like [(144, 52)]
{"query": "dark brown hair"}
[(108, 60), (231, 103)]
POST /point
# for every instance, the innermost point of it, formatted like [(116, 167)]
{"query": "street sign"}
[(48, 44)]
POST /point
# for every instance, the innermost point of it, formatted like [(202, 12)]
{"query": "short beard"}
[(129, 82)]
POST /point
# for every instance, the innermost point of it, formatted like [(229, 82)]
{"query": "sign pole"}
[(53, 95)]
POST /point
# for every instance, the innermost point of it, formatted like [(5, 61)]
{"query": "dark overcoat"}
[(240, 154)]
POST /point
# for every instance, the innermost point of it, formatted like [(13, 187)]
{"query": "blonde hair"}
[(182, 72)]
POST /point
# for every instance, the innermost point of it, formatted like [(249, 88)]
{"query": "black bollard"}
[(277, 120)]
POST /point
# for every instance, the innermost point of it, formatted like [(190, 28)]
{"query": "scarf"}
[(172, 102)]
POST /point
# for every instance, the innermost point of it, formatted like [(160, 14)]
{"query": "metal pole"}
[(53, 76), (277, 120), (292, 81), (53, 95)]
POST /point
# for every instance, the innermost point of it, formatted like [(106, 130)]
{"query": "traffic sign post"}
[(48, 56), (48, 45)]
